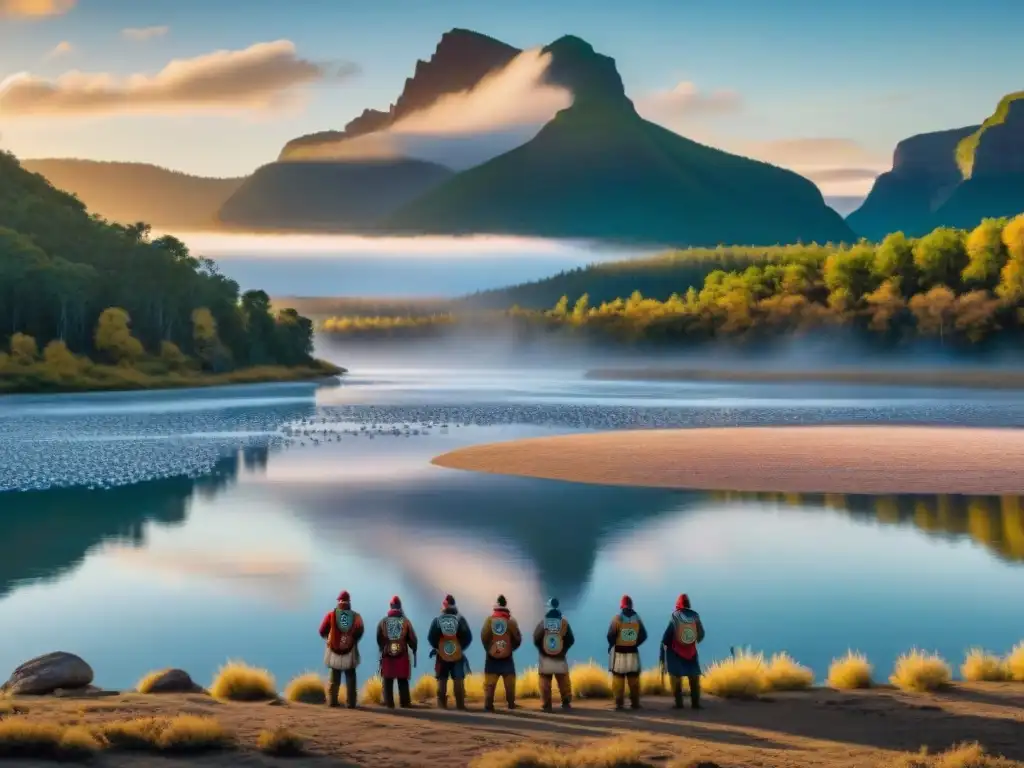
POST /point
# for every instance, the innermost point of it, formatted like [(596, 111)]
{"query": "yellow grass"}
[(22, 738), (850, 672), (307, 689), (919, 671), (591, 681), (1015, 663), (981, 667), (959, 756), (145, 685), (528, 684), (184, 733), (652, 683), (372, 692), (474, 687), (425, 689), (742, 677), (782, 673), (78, 742), (280, 742), (237, 681), (610, 753)]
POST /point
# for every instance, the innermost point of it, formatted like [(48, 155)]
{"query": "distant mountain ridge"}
[(952, 178)]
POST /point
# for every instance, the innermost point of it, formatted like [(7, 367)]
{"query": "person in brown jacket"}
[(500, 637), (342, 628), (553, 638)]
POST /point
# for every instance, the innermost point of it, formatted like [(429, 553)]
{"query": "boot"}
[(695, 691), (389, 693), (404, 699), (489, 690), (460, 694), (442, 693), (350, 689)]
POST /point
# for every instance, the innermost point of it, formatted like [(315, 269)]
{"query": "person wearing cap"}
[(553, 638), (501, 638), (342, 628), (626, 634), (449, 637), (679, 651), (395, 639)]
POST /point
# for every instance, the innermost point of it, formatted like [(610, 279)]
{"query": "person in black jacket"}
[(553, 638), (449, 636)]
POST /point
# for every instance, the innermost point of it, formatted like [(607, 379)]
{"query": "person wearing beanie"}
[(449, 637), (396, 639), (342, 628), (501, 638), (626, 634), (679, 651), (553, 638)]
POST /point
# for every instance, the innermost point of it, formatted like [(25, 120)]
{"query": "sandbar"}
[(871, 460)]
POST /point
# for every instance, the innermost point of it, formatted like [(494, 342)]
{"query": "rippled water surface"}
[(181, 529)]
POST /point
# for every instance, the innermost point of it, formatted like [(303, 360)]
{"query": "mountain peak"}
[(592, 77)]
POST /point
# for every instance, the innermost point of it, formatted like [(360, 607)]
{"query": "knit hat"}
[(396, 602), (552, 603), (627, 602), (682, 602), (501, 602), (344, 597)]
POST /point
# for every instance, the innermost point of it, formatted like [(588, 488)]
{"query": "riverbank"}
[(809, 729), (866, 460), (938, 377), (39, 379)]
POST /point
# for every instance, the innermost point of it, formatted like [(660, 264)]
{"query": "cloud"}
[(460, 130), (144, 33), (684, 101), (833, 175), (35, 8), (262, 76), (834, 152), (61, 49)]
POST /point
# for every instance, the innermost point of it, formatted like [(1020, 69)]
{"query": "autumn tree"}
[(580, 309), (885, 304), (975, 314), (1013, 237), (114, 337), (986, 254), (23, 348), (59, 358), (894, 257), (940, 257), (934, 311), (172, 356)]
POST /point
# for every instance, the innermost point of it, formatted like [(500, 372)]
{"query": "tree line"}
[(73, 284)]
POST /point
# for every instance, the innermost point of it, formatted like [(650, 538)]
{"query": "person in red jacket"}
[(395, 639), (342, 628)]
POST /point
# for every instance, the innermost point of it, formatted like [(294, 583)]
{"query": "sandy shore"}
[(807, 730), (839, 459)]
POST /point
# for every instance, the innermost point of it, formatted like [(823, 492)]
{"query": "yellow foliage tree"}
[(1013, 237), (885, 303), (59, 359), (24, 349), (114, 336), (934, 310)]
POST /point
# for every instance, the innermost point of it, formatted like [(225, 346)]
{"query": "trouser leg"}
[(332, 689), (634, 690), (404, 698), (618, 689), (695, 691), (564, 689), (545, 691), (389, 692), (510, 689), (442, 688), (350, 688), (490, 687), (460, 693), (677, 690)]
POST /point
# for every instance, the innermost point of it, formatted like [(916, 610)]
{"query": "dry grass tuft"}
[(653, 683), (280, 742), (850, 672), (145, 685), (981, 667), (181, 734), (591, 681), (372, 692), (742, 677), (47, 741), (959, 756), (141, 733), (237, 681), (612, 753), (8, 707), (78, 743), (783, 673), (425, 689), (309, 688), (1015, 663), (528, 684), (919, 672), (474, 685)]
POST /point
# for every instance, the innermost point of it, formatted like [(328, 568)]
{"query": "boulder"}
[(173, 681), (45, 674)]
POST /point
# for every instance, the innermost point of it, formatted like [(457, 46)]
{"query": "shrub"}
[(372, 691), (474, 685), (653, 683), (78, 743), (740, 677), (192, 733), (610, 753), (1015, 663), (528, 684), (142, 733), (237, 681), (425, 689), (979, 666), (958, 756), (280, 742), (22, 738), (850, 672), (782, 673), (591, 681), (919, 671), (306, 689)]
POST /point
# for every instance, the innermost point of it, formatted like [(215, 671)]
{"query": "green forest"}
[(954, 285), (85, 304)]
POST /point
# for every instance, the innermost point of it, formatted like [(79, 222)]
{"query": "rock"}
[(173, 681), (45, 674), (88, 692)]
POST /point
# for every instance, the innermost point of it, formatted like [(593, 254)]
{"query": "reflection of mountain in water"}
[(47, 533), (993, 521)]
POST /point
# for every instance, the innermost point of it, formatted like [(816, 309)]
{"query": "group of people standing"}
[(449, 636)]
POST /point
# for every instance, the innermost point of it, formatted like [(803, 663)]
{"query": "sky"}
[(217, 87)]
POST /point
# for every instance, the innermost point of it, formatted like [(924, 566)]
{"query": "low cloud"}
[(35, 8), (685, 101), (837, 175), (460, 130), (140, 34), (263, 76), (62, 48)]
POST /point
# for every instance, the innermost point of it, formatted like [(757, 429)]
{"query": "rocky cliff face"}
[(1000, 150), (931, 153)]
